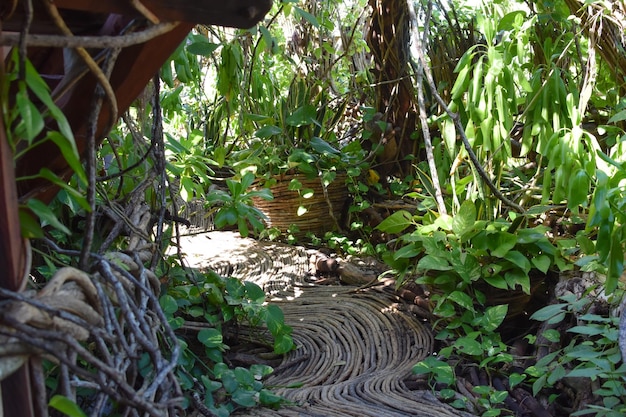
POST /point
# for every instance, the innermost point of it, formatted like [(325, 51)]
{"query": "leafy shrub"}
[(220, 305)]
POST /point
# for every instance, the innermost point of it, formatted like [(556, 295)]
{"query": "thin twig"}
[(441, 205), (90, 218), (23, 36), (158, 152), (101, 42)]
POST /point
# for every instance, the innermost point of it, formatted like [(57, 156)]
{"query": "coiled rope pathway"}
[(354, 349)]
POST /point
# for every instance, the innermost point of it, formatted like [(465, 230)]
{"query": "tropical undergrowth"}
[(293, 95)]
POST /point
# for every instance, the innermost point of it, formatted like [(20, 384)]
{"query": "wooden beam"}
[(232, 13), (80, 15)]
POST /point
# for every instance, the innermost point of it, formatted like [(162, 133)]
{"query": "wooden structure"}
[(135, 66)]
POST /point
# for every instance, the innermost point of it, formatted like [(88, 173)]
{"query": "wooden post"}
[(16, 389)]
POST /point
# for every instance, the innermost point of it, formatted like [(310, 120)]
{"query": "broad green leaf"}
[(307, 16), (552, 335), (255, 293), (69, 153), (500, 243), (433, 263), (304, 115), (469, 346), (549, 312), (210, 337), (541, 262), (321, 146), (283, 343), (494, 316), (30, 228), (517, 278), (268, 131), (47, 216), (168, 304), (31, 122), (244, 376), (397, 222), (507, 22), (496, 281), (515, 379), (66, 406), (465, 218), (618, 117), (41, 90), (441, 371), (275, 318), (518, 259), (578, 192), (201, 46), (268, 398), (76, 195), (462, 299), (261, 371), (587, 330), (410, 250)]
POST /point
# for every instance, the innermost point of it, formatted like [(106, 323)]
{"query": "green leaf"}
[(578, 190), (515, 379), (47, 216), (496, 281), (442, 372), (433, 263), (618, 117), (304, 115), (70, 153), (518, 259), (549, 312), (210, 337), (307, 16), (30, 228), (283, 343), (268, 131), (319, 145), (587, 330), (541, 262), (465, 218), (254, 292), (66, 406), (268, 398), (168, 304), (507, 22), (494, 316), (31, 122), (469, 346), (552, 335), (462, 299), (500, 243), (75, 194), (274, 318), (408, 251), (201, 46), (396, 223), (41, 90)]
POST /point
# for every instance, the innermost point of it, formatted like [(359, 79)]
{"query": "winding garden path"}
[(355, 349)]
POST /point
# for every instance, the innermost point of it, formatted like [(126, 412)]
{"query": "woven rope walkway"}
[(355, 349)]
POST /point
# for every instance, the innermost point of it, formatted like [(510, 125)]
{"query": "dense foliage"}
[(512, 176)]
